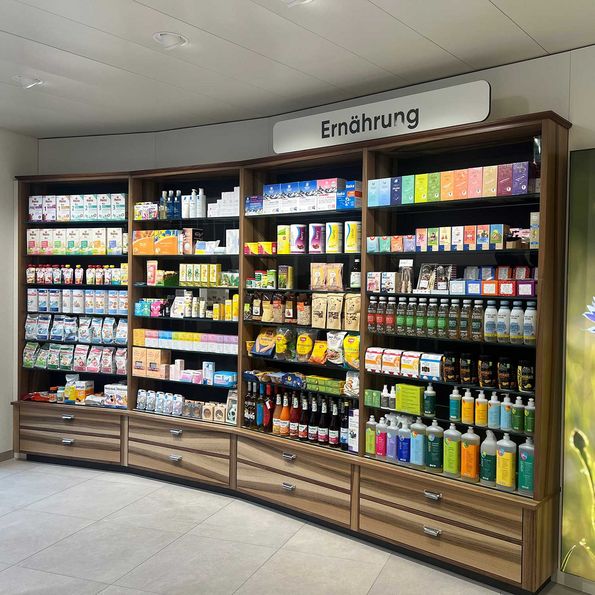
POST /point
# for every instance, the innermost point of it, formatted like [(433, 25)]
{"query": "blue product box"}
[(487, 273), (395, 191), (167, 339), (225, 379), (373, 193), (473, 287), (272, 189), (372, 245), (253, 205), (346, 202), (384, 192), (308, 188), (458, 287)]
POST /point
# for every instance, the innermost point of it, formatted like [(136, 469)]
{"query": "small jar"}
[(526, 376), (486, 369)]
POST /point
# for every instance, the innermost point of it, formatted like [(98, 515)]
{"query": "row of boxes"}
[(412, 364), (494, 287), (182, 241), (78, 207), (78, 301), (473, 182), (87, 241), (186, 341), (409, 398)]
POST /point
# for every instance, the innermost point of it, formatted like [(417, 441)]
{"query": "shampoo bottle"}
[(193, 205), (518, 415), (201, 209), (530, 324), (526, 465), (391, 439), (494, 412), (430, 401), (384, 396), (506, 464), (470, 456), (452, 452), (404, 443), (481, 410), (455, 405), (467, 408), (506, 414), (418, 443), (517, 317), (530, 417), (371, 436), (487, 465), (434, 452), (381, 438)]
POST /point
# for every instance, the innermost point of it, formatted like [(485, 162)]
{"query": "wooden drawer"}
[(166, 431), (73, 446), (178, 462), (74, 419), (312, 466), (467, 548), (426, 495), (302, 495)]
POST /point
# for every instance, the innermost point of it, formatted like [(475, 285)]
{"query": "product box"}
[(114, 240), (490, 181), (534, 231), (504, 187), (433, 239), (487, 272), (91, 207), (59, 241), (373, 193), (520, 177), (267, 248), (434, 187), (83, 389), (63, 207), (483, 237), (473, 287), (475, 182), (372, 398), (430, 367), (421, 239), (139, 361), (98, 240), (214, 275), (166, 241), (458, 238), (461, 184), (407, 190), (410, 361), (104, 207), (372, 244), (33, 241), (490, 288), (118, 206), (470, 241), (373, 281), (384, 192), (204, 275), (36, 208), (457, 287), (49, 208), (383, 244), (409, 243), (46, 241), (526, 287), (350, 198), (447, 185), (444, 240), (498, 233), (396, 243), (156, 358), (208, 372), (73, 241), (391, 361), (507, 288), (388, 282), (272, 190), (421, 188), (395, 191), (77, 207), (253, 205), (143, 241), (353, 427), (290, 197), (410, 398), (373, 359), (285, 276)]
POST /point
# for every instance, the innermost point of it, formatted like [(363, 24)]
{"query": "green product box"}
[(410, 398), (407, 190), (433, 239), (434, 187), (372, 398)]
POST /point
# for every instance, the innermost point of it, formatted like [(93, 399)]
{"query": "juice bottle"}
[(442, 319), (410, 317), (381, 316), (487, 466), (277, 414), (490, 322), (470, 456), (284, 417), (323, 423), (432, 318), (371, 436), (269, 409), (303, 423), (530, 324), (404, 443), (435, 447), (454, 317), (481, 410), (260, 409), (452, 452), (381, 438), (390, 316), (454, 405), (467, 408), (517, 318), (530, 417), (506, 464), (503, 323), (518, 415), (477, 321), (429, 401), (313, 421), (372, 307), (400, 318), (334, 429), (526, 467), (506, 414), (420, 317), (465, 324), (294, 417), (418, 443)]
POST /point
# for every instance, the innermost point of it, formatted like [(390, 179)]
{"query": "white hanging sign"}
[(451, 106)]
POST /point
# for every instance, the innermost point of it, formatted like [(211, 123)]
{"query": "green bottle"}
[(371, 436), (452, 452), (518, 415), (487, 460), (526, 467), (530, 417), (434, 446), (429, 401)]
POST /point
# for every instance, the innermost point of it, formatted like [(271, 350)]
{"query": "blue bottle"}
[(418, 443), (404, 444)]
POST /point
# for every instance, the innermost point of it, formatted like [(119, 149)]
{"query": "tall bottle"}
[(465, 323), (530, 417), (477, 316), (303, 423), (269, 409), (384, 397), (381, 316), (381, 438), (421, 314), (249, 404), (371, 436), (442, 319), (503, 323), (470, 456), (429, 401), (454, 319), (277, 414), (487, 466), (372, 308), (391, 440), (467, 408), (494, 412), (313, 421), (392, 398), (454, 407), (518, 415), (390, 316), (410, 317), (260, 408), (344, 437), (294, 417), (334, 428), (323, 423), (284, 417), (506, 464), (432, 318), (506, 414), (418, 443), (526, 467), (193, 214), (162, 210), (530, 324), (517, 317), (177, 206), (481, 410), (404, 443), (170, 205), (490, 322), (435, 450), (401, 316), (201, 205), (452, 452), (355, 276)]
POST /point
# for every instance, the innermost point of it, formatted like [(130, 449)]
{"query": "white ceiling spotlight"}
[(292, 3), (27, 82), (168, 40)]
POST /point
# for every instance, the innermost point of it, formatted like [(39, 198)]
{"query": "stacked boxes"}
[(78, 207)]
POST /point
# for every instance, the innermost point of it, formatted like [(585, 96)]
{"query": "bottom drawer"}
[(295, 493), (467, 548), (73, 446), (182, 463)]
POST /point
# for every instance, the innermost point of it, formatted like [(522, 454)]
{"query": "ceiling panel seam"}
[(519, 26)]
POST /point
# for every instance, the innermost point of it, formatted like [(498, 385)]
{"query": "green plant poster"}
[(578, 496)]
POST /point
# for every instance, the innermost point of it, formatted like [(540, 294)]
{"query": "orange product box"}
[(167, 241), (155, 359), (460, 184), (490, 288), (396, 243), (143, 242), (139, 361), (507, 288), (138, 337), (490, 180), (447, 185), (470, 238), (475, 182)]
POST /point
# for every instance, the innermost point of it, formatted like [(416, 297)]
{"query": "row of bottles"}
[(491, 462), (424, 317), (297, 415), (173, 207)]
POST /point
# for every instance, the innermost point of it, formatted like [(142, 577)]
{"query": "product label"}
[(487, 471), (469, 460), (452, 456), (381, 443), (434, 452), (302, 431), (322, 434), (431, 323), (370, 441), (333, 437), (516, 331), (259, 414), (344, 435), (403, 449), (409, 321), (418, 449), (505, 469), (529, 420), (429, 404), (481, 414), (467, 412), (455, 409), (518, 418), (441, 323), (490, 329), (312, 433), (526, 466)]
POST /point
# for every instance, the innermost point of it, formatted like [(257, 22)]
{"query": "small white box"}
[(91, 207), (59, 241), (104, 207), (98, 240), (85, 240), (46, 241), (36, 208), (73, 241), (33, 241), (63, 207), (118, 206), (49, 208), (77, 207), (114, 240)]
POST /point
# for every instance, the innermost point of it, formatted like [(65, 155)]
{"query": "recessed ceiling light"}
[(292, 3), (26, 81), (169, 41)]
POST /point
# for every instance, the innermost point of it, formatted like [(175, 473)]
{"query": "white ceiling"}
[(103, 72)]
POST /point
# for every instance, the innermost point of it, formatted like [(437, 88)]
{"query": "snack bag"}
[(334, 311), (352, 312), (319, 310), (319, 352), (351, 350), (66, 357), (31, 327), (265, 343), (107, 360), (351, 388), (305, 344), (53, 361), (43, 327), (70, 329), (318, 275), (96, 324), (81, 353), (94, 359), (285, 343), (57, 332), (334, 276), (29, 354), (84, 332), (120, 360), (108, 330), (41, 359), (122, 332), (335, 353)]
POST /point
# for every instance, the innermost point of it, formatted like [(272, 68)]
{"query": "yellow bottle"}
[(481, 410), (506, 464), (227, 309), (467, 408), (216, 311), (235, 307)]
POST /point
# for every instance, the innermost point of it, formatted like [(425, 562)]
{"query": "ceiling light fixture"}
[(169, 41), (292, 3), (27, 82)]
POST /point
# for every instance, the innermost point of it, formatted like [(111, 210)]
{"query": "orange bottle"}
[(284, 417), (277, 414), (470, 456)]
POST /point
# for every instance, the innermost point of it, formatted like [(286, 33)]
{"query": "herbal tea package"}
[(334, 311), (352, 312), (319, 310)]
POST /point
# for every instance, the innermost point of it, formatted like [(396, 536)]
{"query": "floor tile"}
[(298, 573), (68, 471), (26, 532), (172, 508), (557, 589), (130, 478), (249, 523), (93, 499), (16, 465), (420, 579), (195, 564), (102, 552), (315, 539), (17, 580), (116, 590)]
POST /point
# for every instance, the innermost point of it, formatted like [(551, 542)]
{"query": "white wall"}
[(18, 155)]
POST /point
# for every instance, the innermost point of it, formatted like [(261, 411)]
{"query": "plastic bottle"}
[(526, 467), (452, 452), (410, 317), (404, 443), (392, 398), (381, 438), (454, 405), (518, 415), (454, 316), (530, 324), (470, 456), (467, 408), (371, 436), (487, 465), (517, 317), (477, 321), (465, 324), (430, 401), (432, 318), (193, 211), (421, 314), (391, 440), (201, 205), (494, 412), (490, 322), (503, 323), (384, 396), (372, 308), (389, 317), (169, 205), (381, 316), (435, 452), (418, 443), (400, 318), (442, 319), (481, 410), (506, 414), (506, 464), (530, 417), (178, 205)]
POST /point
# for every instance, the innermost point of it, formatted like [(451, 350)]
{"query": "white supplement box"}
[(85, 241), (89, 301), (104, 207), (100, 304), (67, 301), (63, 207), (59, 241), (114, 240), (430, 366), (122, 303), (91, 207), (73, 241), (98, 240), (112, 302), (46, 241), (49, 208), (118, 207), (33, 241), (77, 207), (36, 208), (78, 301)]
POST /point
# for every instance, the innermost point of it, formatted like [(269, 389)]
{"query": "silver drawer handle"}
[(67, 441), (176, 432), (432, 532), (67, 417), (289, 457), (288, 486), (432, 495), (175, 458)]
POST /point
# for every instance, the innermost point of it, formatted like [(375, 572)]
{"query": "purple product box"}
[(520, 177), (395, 191), (526, 287), (253, 205), (408, 243)]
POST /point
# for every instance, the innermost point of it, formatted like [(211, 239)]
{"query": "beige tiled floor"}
[(67, 530)]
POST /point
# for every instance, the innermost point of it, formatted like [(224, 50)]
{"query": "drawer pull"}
[(175, 458), (68, 417), (290, 487), (176, 432), (67, 441), (289, 456), (432, 495), (432, 532)]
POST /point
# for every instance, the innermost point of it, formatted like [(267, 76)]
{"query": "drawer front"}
[(166, 432), (85, 422), (428, 496), (285, 459), (310, 498), (73, 446), (181, 463), (471, 549)]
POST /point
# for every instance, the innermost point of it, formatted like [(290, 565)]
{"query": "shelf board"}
[(145, 286), (75, 372), (74, 286), (91, 223), (185, 256), (182, 417), (308, 255), (302, 364), (309, 390), (343, 214), (189, 384), (457, 341), (308, 291), (527, 252), (453, 296), (209, 320), (75, 256), (81, 314), (229, 219), (193, 352)]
